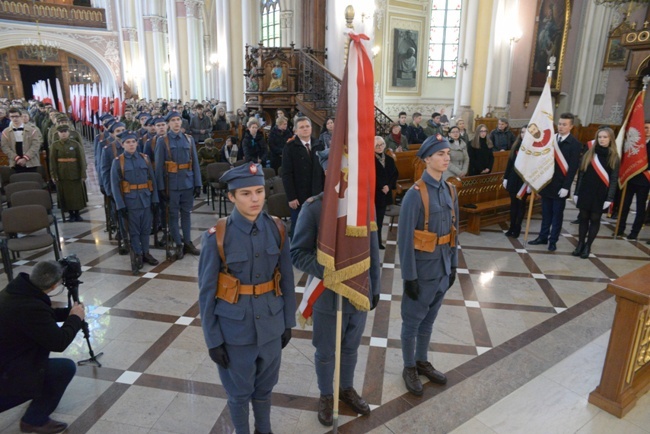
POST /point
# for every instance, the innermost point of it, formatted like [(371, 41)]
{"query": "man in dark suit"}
[(28, 332), (556, 192), (302, 175)]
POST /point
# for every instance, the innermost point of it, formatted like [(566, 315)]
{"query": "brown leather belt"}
[(66, 160), (259, 289), (445, 239), (209, 160)]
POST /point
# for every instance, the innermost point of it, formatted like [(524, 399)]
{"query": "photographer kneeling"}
[(28, 332)]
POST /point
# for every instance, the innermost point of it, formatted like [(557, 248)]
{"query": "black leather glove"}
[(123, 212), (374, 302), (197, 191), (412, 289), (220, 356), (102, 190), (286, 337), (452, 276)]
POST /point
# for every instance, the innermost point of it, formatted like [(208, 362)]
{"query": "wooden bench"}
[(405, 162), (492, 201)]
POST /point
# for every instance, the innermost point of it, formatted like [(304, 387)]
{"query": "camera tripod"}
[(72, 285)]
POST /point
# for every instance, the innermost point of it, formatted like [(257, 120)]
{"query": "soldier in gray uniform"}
[(428, 259), (134, 189), (303, 254), (110, 152), (248, 300), (178, 176)]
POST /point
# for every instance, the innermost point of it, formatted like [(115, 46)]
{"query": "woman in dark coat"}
[(386, 182), (254, 145), (221, 121), (596, 188), (481, 158), (513, 183), (278, 137)]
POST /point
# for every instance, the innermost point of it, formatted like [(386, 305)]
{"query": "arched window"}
[(444, 37), (270, 11)]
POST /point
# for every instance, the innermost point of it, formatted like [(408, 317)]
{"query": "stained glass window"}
[(270, 11), (444, 37)]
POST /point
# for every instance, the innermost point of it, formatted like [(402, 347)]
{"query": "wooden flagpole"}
[(620, 210), (349, 18)]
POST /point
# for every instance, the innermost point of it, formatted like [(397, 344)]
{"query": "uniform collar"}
[(431, 180), (243, 224), (173, 134), (134, 155)]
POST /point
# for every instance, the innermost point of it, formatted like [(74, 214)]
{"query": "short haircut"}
[(199, 107), (504, 120), (281, 121), (401, 113), (208, 141), (568, 116), (251, 122), (45, 274), (416, 114), (14, 110), (434, 115), (302, 119)]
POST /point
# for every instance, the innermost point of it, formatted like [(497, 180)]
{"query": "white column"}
[(595, 24), (491, 59), (140, 67), (158, 55), (224, 51), (468, 53), (172, 40)]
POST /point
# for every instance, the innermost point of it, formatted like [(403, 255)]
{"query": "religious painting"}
[(616, 55), (550, 37), (405, 58)]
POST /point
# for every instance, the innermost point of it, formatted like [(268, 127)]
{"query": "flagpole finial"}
[(349, 16), (551, 67), (646, 80)]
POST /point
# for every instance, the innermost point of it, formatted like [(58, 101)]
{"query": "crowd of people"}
[(154, 159)]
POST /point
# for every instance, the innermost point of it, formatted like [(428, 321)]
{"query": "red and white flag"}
[(348, 213), (631, 142), (538, 151), (48, 98)]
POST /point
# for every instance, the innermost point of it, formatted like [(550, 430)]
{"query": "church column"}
[(173, 43), (196, 65), (595, 24), (159, 56), (224, 50), (140, 69), (466, 78)]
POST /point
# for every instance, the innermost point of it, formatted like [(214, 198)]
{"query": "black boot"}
[(516, 232), (585, 251), (579, 248), (510, 231)]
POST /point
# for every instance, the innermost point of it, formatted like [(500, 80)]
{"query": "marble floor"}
[(521, 336)]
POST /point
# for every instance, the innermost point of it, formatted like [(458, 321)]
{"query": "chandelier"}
[(37, 48)]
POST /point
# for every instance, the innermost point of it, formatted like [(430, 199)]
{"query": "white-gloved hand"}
[(563, 193), (575, 200), (505, 183), (606, 204)]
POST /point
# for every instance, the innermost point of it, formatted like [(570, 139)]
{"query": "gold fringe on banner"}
[(356, 231)]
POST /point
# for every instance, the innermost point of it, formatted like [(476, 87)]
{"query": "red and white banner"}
[(631, 142), (312, 292), (348, 214), (536, 157), (61, 100)]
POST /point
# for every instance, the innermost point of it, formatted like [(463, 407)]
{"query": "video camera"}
[(71, 272)]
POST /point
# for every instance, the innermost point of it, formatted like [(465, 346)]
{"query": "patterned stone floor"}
[(513, 316)]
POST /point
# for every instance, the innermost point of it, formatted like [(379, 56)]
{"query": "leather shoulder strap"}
[(220, 234), (424, 195), (121, 157), (452, 191), (169, 151), (281, 228)]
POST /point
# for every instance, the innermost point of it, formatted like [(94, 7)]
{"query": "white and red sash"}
[(560, 160), (312, 292), (595, 163)]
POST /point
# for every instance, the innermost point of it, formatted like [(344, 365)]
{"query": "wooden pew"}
[(405, 162)]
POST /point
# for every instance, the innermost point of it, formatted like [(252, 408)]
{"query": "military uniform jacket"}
[(182, 150), (144, 140), (32, 141), (136, 171), (150, 148), (68, 170), (208, 155), (107, 161), (252, 255), (570, 148), (417, 264), (303, 255)]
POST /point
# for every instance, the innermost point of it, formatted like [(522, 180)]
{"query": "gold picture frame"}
[(550, 39), (616, 55)]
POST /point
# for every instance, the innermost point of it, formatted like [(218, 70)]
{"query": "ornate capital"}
[(194, 8), (380, 7), (133, 33), (286, 19), (157, 23)]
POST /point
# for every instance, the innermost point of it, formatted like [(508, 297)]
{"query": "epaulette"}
[(291, 139), (212, 230)]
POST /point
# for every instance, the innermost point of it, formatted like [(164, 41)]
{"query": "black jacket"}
[(385, 175), (277, 140), (571, 150), (255, 147), (302, 175), (28, 332)]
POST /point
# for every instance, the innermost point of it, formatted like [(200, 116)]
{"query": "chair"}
[(5, 175), (15, 187), (27, 176), (269, 173), (38, 197), (27, 220), (239, 163), (392, 211), (278, 186), (278, 206), (215, 171)]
